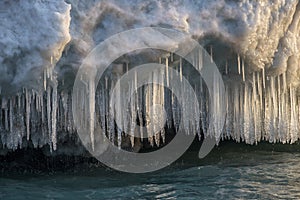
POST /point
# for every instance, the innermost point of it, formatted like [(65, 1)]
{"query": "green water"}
[(231, 171)]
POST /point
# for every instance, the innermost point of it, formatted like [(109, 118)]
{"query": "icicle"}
[(107, 108), (211, 54), (45, 79), (167, 71), (149, 112), (226, 67), (259, 88), (180, 68), (239, 63), (155, 101), (119, 108), (11, 116), (6, 119), (246, 118), (103, 110), (293, 120), (140, 115), (111, 116), (162, 101), (135, 82), (54, 113), (196, 117), (92, 110), (273, 92), (282, 119), (159, 60), (264, 77), (133, 105), (49, 113), (172, 57), (236, 113), (42, 109), (200, 57), (48, 72), (272, 86), (36, 100), (28, 102), (254, 86), (268, 118), (166, 99), (19, 101), (279, 126), (241, 110), (228, 128), (40, 97), (274, 109), (133, 127), (255, 110), (136, 100), (185, 112), (284, 82), (243, 70), (4, 107), (203, 106), (147, 105), (278, 88)]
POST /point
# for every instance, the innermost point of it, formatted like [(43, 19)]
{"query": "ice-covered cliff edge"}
[(260, 31), (35, 38), (33, 34)]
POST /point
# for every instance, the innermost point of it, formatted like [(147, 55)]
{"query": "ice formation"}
[(254, 43)]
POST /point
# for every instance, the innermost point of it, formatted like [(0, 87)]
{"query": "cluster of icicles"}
[(36, 116), (262, 108), (258, 108)]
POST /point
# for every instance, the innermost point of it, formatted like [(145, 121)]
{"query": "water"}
[(232, 171)]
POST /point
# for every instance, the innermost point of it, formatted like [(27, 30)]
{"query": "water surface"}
[(232, 171)]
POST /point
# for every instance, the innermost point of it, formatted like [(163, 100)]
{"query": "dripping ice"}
[(259, 107)]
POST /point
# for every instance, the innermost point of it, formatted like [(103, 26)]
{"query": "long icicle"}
[(167, 71), (259, 87), (11, 121), (49, 114), (120, 113), (147, 112), (284, 82), (264, 77), (254, 107), (161, 76), (243, 70), (28, 102), (180, 68), (54, 113), (92, 110), (239, 63)]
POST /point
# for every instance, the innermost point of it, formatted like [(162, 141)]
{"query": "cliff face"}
[(43, 44)]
